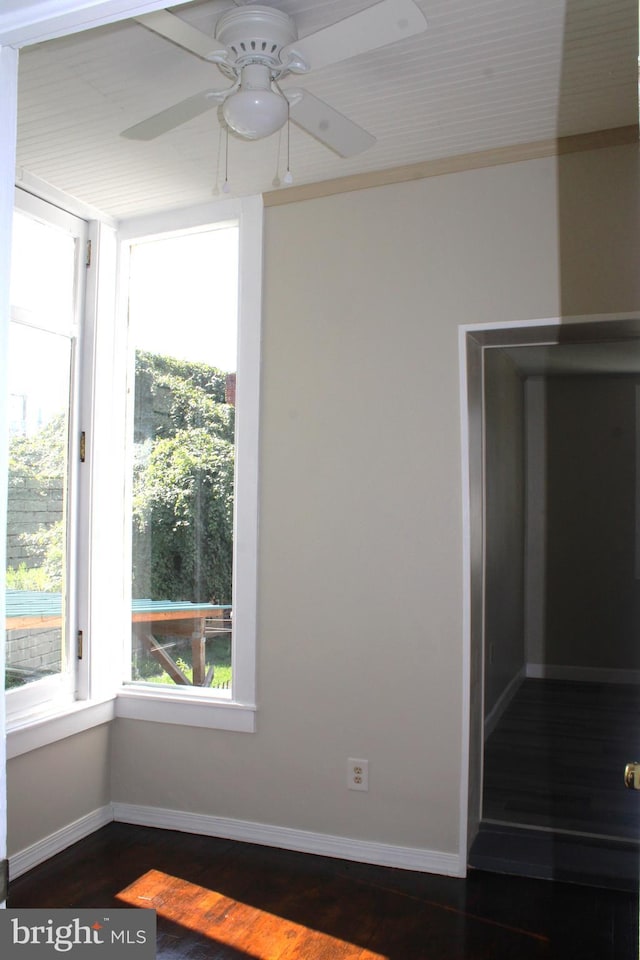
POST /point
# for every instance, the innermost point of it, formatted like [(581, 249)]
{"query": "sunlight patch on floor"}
[(262, 935)]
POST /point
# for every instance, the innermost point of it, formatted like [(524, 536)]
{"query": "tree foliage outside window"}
[(37, 470), (183, 486), (182, 482)]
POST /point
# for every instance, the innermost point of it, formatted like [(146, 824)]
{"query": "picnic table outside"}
[(32, 610), (151, 619), (165, 618)]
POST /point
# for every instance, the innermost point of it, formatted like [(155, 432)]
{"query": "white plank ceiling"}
[(486, 74)]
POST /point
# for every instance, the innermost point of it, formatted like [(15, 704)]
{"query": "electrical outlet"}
[(357, 774)]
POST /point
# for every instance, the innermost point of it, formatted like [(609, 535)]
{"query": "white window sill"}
[(33, 732), (24, 735), (138, 703)]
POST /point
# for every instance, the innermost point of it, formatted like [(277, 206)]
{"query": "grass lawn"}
[(218, 652)]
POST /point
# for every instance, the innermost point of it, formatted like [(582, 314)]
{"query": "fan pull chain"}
[(288, 177)]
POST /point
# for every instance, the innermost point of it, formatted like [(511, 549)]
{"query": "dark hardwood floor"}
[(223, 900), (554, 802), (557, 758)]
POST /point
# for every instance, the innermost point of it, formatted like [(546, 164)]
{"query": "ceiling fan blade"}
[(377, 26), (182, 33), (176, 115), (324, 123)]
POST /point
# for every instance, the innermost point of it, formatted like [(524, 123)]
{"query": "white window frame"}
[(104, 609), (59, 691), (194, 706)]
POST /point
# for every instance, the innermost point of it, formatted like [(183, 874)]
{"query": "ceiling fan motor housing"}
[(255, 34)]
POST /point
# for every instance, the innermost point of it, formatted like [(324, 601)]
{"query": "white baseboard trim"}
[(550, 671), (56, 842), (503, 701), (303, 841)]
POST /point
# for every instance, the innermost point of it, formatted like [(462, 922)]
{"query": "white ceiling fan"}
[(255, 47)]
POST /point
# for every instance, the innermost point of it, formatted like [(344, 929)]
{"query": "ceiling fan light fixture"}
[(255, 110), (254, 114)]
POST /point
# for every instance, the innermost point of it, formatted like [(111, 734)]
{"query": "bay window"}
[(132, 533)]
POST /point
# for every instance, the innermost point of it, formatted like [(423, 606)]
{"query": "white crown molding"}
[(32, 184), (443, 166), (30, 21)]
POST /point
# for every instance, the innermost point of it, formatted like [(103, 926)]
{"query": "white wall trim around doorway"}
[(480, 336)]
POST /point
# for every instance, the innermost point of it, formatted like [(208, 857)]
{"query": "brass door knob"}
[(632, 775)]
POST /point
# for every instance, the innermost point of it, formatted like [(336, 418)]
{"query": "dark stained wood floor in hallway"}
[(554, 801), (223, 900), (556, 759)]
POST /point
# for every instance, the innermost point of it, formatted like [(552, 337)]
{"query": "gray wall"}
[(360, 503), (592, 611), (535, 391), (54, 786), (504, 524)]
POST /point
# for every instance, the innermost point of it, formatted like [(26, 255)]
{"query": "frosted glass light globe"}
[(255, 111)]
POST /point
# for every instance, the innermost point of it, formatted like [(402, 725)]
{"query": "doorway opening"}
[(554, 535)]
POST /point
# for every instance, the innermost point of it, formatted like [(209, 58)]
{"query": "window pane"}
[(183, 316), (41, 345), (42, 273), (39, 383)]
